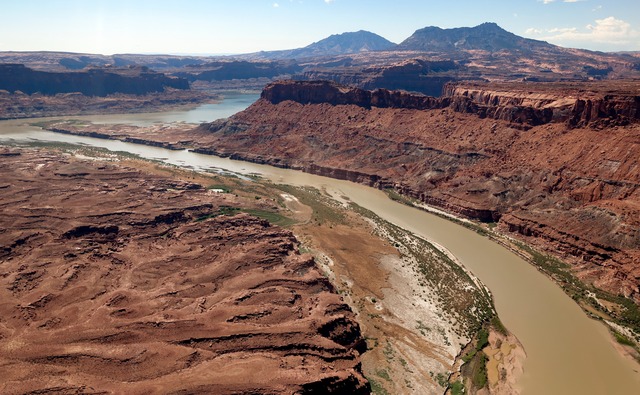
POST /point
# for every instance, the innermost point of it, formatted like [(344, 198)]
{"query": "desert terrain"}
[(117, 279), (124, 275), (475, 152)]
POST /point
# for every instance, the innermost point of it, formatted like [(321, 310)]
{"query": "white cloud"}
[(329, 1), (276, 5), (603, 31)]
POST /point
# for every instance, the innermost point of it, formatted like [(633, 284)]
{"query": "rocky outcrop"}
[(230, 70), (315, 92), (610, 104), (515, 103), (416, 75), (129, 282), (90, 82)]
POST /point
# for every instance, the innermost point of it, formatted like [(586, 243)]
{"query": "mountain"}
[(432, 56), (347, 43), (336, 44), (424, 62), (487, 37)]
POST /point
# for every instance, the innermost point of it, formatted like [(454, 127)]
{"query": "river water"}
[(567, 353)]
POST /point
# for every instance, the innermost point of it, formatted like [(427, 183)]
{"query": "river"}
[(567, 352)]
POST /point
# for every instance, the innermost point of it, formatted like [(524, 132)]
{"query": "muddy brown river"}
[(567, 352)]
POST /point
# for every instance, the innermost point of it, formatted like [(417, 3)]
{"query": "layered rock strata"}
[(560, 173), (90, 82), (571, 188), (118, 281)]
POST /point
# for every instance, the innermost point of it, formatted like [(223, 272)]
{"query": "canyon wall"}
[(90, 82), (515, 102), (556, 166)]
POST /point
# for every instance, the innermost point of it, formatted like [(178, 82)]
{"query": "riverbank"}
[(620, 315)]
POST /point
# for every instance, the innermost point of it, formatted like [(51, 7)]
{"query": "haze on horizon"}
[(243, 26)]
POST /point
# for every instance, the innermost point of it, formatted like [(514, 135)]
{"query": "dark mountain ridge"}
[(336, 44), (487, 37)]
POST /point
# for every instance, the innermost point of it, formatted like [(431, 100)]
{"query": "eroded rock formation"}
[(119, 281), (608, 104)]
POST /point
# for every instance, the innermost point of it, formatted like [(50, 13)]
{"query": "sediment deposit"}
[(120, 281)]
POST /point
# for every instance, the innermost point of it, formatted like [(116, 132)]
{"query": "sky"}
[(243, 26)]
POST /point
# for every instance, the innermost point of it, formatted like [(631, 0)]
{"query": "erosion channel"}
[(566, 352)]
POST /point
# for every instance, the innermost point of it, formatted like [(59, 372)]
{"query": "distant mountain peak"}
[(349, 42), (487, 36), (336, 44)]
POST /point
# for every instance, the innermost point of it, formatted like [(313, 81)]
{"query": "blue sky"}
[(240, 26)]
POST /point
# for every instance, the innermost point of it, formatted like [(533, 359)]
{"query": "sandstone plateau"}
[(115, 280)]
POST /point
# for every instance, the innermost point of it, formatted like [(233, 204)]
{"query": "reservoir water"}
[(567, 352)]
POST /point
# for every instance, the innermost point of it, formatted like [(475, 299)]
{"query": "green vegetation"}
[(325, 209), (377, 388), (388, 351), (457, 388), (622, 339), (626, 312), (222, 210), (442, 380), (396, 197), (383, 373), (498, 325), (273, 217), (479, 376), (456, 291), (483, 339), (475, 361)]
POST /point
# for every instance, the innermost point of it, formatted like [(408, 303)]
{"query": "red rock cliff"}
[(562, 174), (520, 104)]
